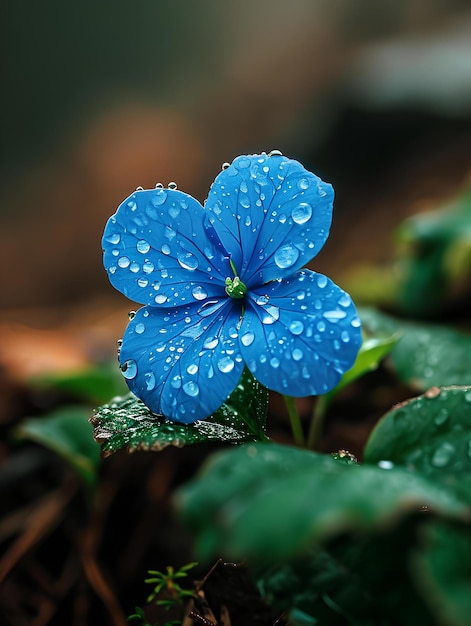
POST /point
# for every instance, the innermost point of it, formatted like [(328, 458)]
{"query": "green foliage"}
[(268, 501), (383, 542), (167, 592), (94, 384), (373, 350), (67, 432), (128, 422), (431, 265), (139, 614), (425, 354), (431, 435), (434, 256), (168, 581)]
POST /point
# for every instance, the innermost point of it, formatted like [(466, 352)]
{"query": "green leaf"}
[(443, 572), (94, 384), (268, 502), (430, 434), (434, 256), (68, 433), (372, 352), (426, 354), (128, 422)]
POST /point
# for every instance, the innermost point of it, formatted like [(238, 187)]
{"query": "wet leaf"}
[(353, 578), (268, 501), (372, 352), (430, 434), (127, 422), (443, 572), (68, 433), (426, 354)]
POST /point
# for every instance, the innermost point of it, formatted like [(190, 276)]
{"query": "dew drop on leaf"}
[(443, 455)]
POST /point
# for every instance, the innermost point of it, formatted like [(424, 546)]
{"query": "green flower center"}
[(235, 288)]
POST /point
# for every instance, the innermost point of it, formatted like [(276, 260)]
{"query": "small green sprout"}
[(165, 582)]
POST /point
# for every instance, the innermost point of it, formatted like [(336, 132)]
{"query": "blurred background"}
[(101, 97)]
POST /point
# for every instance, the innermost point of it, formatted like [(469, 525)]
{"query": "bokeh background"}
[(99, 97)]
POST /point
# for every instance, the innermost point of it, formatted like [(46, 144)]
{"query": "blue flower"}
[(223, 288)]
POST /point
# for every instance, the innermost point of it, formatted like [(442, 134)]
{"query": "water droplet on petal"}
[(443, 454), (274, 362), (160, 298), (296, 327), (129, 369), (187, 260), (140, 328), (243, 162), (211, 343), (297, 354), (356, 322), (225, 165), (142, 282), (174, 211), (172, 186), (321, 281), (275, 153), (150, 381), (345, 300), (191, 389), (159, 197), (225, 365), (165, 249), (115, 238), (286, 256), (271, 314), (302, 213), (303, 184), (159, 186), (261, 300), (334, 316), (209, 307), (124, 262), (143, 246), (199, 293), (131, 315), (192, 369), (134, 267), (247, 339), (244, 202), (176, 382)]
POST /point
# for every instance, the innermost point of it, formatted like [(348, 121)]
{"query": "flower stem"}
[(295, 421), (317, 423)]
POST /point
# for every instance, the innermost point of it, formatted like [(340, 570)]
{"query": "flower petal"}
[(300, 335), (156, 250), (271, 215), (183, 363)]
